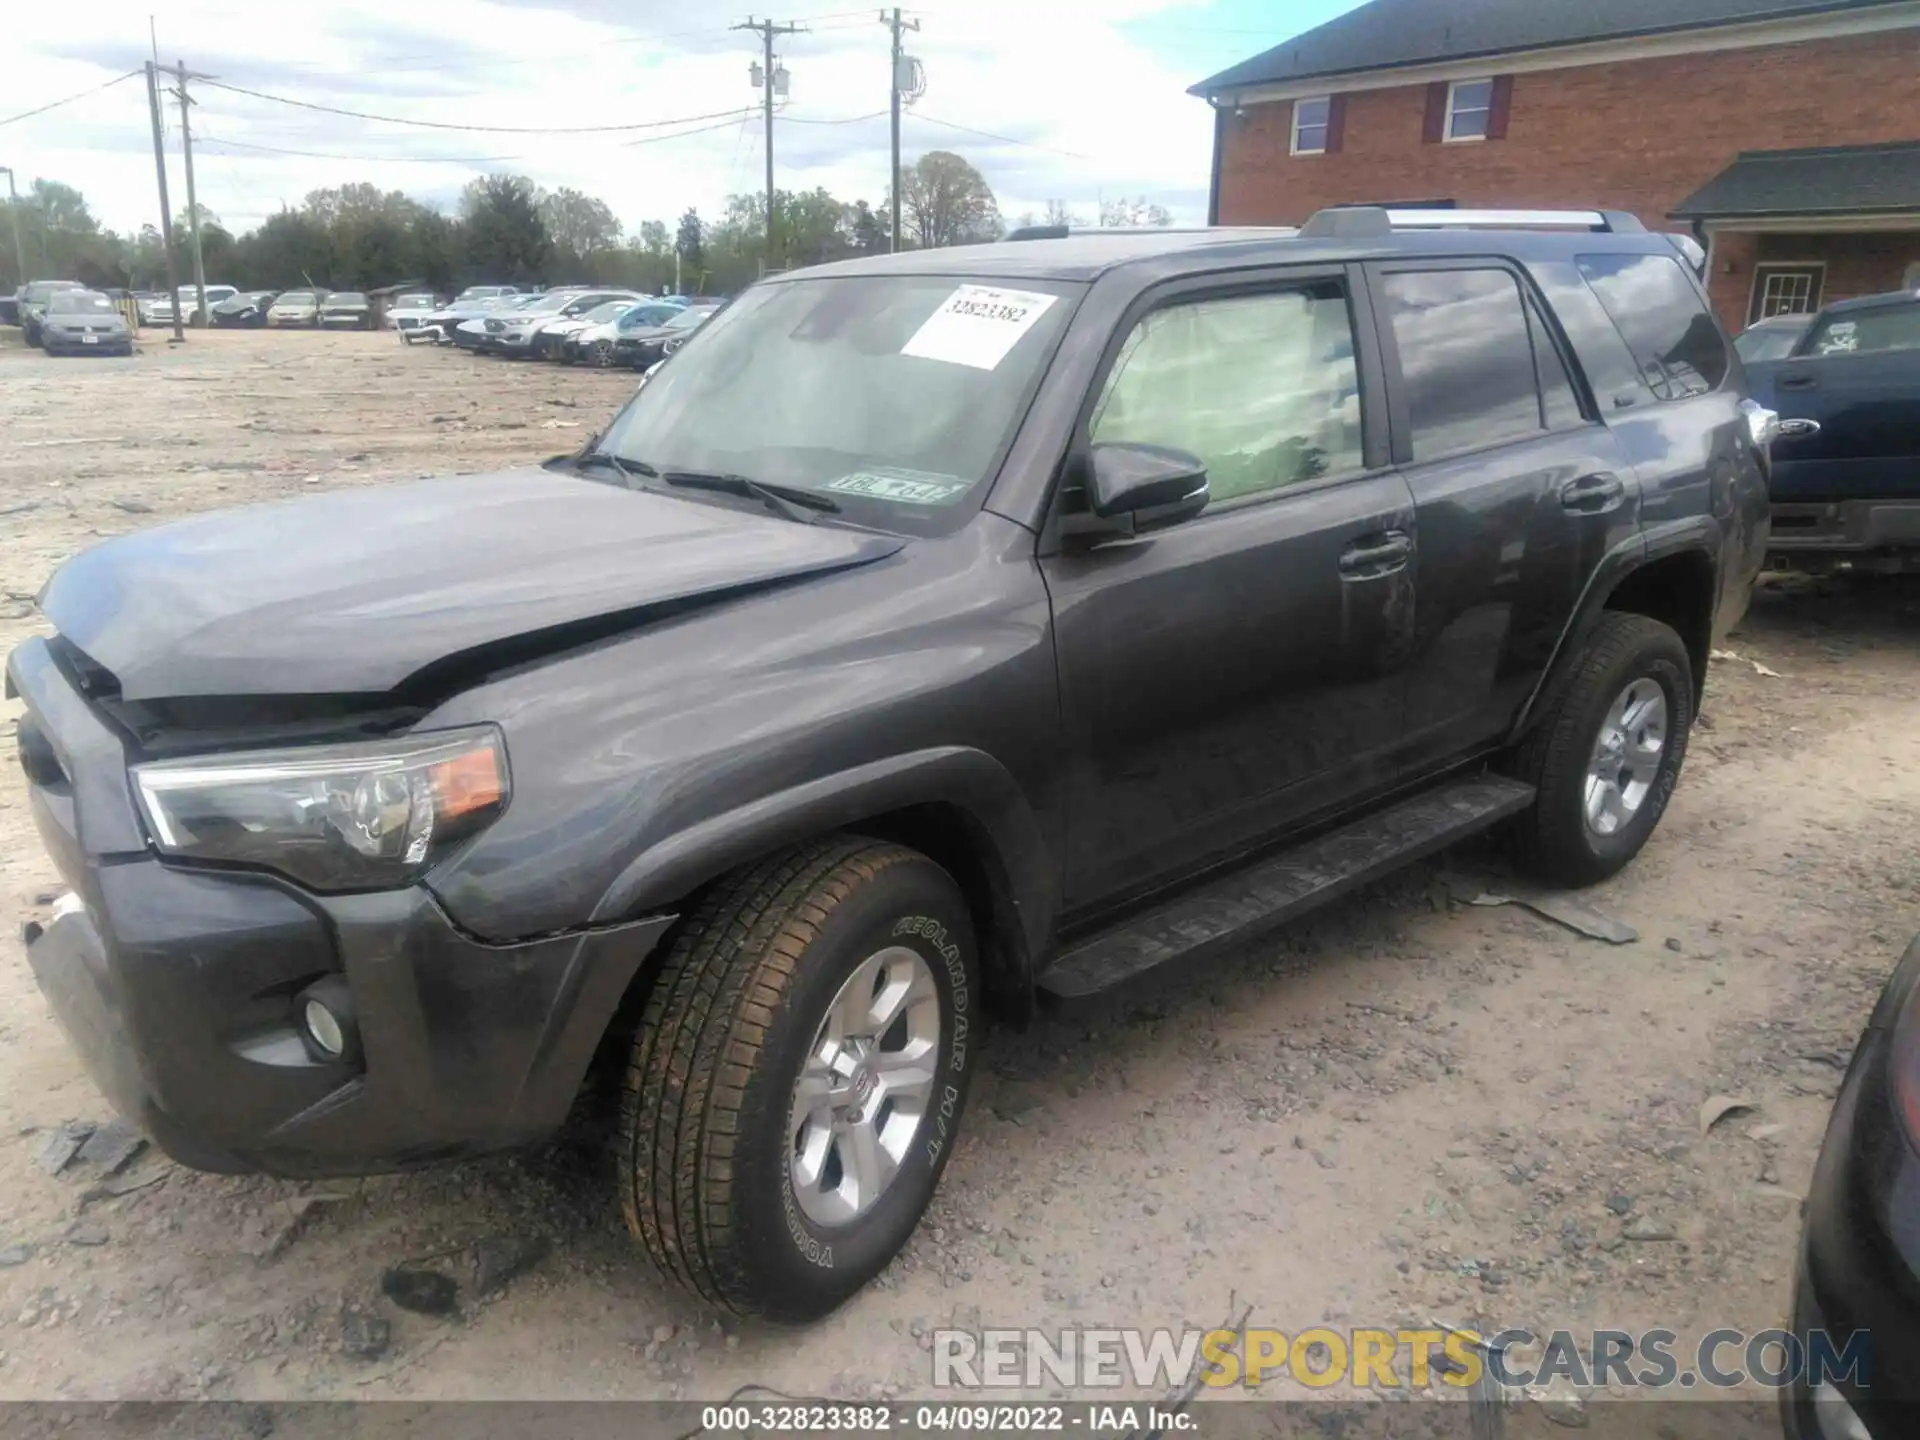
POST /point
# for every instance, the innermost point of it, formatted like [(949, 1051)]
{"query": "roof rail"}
[(1061, 232), (1362, 222)]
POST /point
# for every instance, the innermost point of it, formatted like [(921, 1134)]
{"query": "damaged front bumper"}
[(181, 989)]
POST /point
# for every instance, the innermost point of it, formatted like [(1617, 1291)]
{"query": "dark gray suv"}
[(931, 634)]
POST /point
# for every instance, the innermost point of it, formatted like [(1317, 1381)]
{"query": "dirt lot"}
[(1408, 1108)]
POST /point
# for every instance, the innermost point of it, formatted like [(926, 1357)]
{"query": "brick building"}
[(1784, 133)]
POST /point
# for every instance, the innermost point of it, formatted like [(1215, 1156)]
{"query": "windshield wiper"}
[(785, 500), (606, 457)]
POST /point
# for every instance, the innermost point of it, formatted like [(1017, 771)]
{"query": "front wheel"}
[(602, 354), (797, 1083), (1606, 755)]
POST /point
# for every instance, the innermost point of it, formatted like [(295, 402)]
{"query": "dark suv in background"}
[(1846, 475), (932, 633)]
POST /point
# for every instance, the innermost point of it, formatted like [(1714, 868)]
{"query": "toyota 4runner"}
[(933, 633)]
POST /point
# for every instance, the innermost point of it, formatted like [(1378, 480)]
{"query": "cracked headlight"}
[(370, 816)]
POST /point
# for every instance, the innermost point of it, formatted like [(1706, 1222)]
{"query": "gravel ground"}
[(1409, 1107)]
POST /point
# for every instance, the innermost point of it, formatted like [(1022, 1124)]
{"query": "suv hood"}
[(353, 593)]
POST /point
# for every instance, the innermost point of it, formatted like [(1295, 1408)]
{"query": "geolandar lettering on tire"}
[(808, 1245), (935, 934)]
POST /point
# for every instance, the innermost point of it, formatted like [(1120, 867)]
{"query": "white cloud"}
[(1098, 113)]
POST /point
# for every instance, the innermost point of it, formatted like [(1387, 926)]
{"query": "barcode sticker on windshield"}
[(978, 325), (910, 487)]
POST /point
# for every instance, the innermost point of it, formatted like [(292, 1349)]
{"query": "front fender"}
[(664, 873)]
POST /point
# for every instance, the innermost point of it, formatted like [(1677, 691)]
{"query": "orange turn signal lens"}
[(467, 783)]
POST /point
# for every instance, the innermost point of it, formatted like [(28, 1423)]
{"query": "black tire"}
[(702, 1145), (1553, 840)]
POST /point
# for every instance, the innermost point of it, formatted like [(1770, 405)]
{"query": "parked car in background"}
[(551, 338), (593, 342), (485, 292), (160, 310), (468, 333), (32, 299), (642, 347), (84, 322), (296, 307), (1772, 338), (408, 312), (445, 323), (1856, 1306), (346, 310), (248, 309), (514, 333), (1846, 465)]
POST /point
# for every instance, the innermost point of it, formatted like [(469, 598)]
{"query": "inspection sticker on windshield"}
[(909, 487), (977, 325)]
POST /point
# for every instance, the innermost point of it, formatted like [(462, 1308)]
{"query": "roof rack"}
[(1363, 222), (1061, 232)]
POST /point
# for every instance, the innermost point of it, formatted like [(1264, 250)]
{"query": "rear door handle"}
[(1593, 494), (1376, 555)]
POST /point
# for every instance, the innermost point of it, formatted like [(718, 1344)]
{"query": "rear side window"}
[(1659, 313), (1466, 359), (1860, 332), (1263, 389)]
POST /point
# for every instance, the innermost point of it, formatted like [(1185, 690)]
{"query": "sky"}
[(1076, 100)]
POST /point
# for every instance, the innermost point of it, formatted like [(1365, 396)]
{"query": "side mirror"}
[(1132, 489)]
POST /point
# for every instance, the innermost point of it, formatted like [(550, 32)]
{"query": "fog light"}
[(326, 1020)]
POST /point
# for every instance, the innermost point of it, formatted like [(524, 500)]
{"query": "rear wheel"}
[(799, 1076), (1607, 754)]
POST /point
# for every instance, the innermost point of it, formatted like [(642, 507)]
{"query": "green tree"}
[(689, 240), (866, 231), (581, 226), (505, 238), (945, 201)]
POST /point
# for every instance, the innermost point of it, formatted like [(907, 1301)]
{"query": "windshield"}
[(893, 395), (1893, 327), (612, 310), (346, 297), (414, 302), (692, 319), (1768, 342), (296, 297), (79, 302)]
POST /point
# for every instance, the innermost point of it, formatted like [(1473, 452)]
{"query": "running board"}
[(1238, 906)]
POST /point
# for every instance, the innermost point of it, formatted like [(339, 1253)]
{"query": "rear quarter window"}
[(1659, 313)]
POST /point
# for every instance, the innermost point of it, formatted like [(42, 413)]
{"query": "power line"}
[(56, 104), (743, 116), (728, 115), (989, 135), (360, 159)]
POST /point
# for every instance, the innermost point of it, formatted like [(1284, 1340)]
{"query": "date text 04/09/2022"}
[(961, 1416)]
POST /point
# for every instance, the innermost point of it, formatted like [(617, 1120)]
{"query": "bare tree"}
[(1139, 211), (945, 201)]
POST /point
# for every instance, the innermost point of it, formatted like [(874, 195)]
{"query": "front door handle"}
[(1799, 382), (1795, 429), (1593, 494), (1376, 555)]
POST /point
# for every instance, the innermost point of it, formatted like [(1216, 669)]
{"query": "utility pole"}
[(13, 212), (900, 82), (166, 210), (193, 206), (766, 30)]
